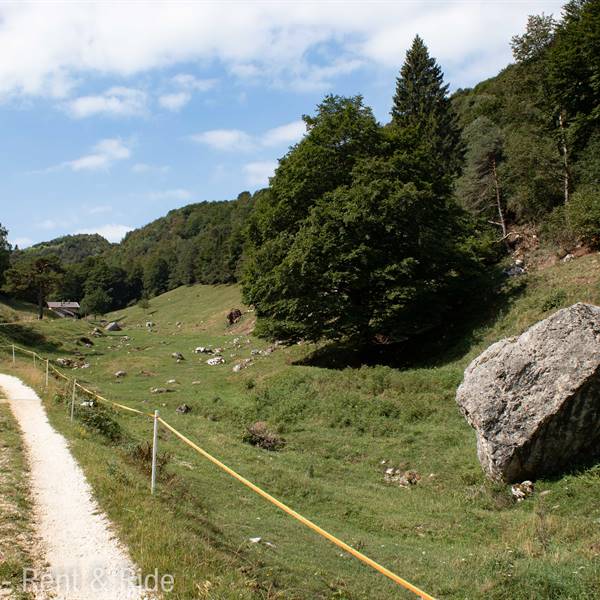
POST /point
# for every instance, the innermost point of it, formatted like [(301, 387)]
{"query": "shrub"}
[(99, 420), (583, 215), (557, 231), (258, 434), (144, 304), (555, 299), (141, 456)]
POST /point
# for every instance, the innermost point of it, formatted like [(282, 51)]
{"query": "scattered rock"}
[(217, 360), (400, 477), (514, 271), (534, 400), (147, 373), (85, 341), (255, 540), (203, 350), (171, 382), (184, 409), (242, 365), (149, 324), (178, 356), (120, 374), (520, 491), (258, 434), (568, 258), (196, 383), (160, 390), (96, 332), (67, 363), (113, 326), (234, 315)]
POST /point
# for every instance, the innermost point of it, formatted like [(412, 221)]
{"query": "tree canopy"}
[(358, 237)]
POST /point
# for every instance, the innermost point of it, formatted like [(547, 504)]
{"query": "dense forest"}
[(373, 231), (69, 249)]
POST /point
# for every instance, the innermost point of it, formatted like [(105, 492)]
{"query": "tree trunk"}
[(498, 198), (565, 155), (40, 304)]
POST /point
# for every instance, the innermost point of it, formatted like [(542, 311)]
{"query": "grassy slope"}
[(16, 551), (454, 534)]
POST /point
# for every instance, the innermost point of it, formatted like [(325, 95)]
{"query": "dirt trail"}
[(84, 558)]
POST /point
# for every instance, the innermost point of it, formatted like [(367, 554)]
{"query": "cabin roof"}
[(63, 304)]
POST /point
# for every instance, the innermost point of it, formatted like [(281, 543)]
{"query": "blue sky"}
[(112, 114)]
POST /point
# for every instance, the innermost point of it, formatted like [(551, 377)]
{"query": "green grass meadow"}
[(454, 534)]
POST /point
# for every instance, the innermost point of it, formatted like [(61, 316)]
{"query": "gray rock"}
[(534, 400), (120, 374), (113, 326), (203, 350), (217, 360), (178, 356)]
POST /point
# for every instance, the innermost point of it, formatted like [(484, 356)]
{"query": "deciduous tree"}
[(36, 277)]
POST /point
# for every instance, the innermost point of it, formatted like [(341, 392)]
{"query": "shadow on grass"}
[(24, 335), (447, 343)]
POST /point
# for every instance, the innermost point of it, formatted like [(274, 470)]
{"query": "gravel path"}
[(84, 558)]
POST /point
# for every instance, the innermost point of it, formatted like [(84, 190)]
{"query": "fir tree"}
[(421, 102)]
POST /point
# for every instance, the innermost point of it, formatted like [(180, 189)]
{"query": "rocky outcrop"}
[(534, 400)]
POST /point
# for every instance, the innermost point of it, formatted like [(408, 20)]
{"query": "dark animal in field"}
[(235, 314)]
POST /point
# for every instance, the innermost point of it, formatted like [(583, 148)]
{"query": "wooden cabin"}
[(65, 310)]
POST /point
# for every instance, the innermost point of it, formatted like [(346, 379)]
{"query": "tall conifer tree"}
[(421, 102)]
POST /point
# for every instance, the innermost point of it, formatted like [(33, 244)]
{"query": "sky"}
[(114, 113)]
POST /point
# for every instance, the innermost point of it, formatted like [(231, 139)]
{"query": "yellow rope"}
[(296, 515), (365, 559)]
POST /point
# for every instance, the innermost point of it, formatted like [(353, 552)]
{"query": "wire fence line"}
[(158, 421)]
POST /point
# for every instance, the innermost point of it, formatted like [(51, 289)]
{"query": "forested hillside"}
[(200, 243), (372, 232), (69, 248)]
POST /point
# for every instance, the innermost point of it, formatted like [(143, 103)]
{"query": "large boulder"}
[(534, 400)]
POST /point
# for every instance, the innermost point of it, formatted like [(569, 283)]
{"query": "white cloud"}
[(258, 173), (48, 224), (112, 232), (101, 209), (48, 47), (224, 139), (284, 134), (175, 101), (22, 242), (116, 102), (102, 156), (190, 82), (237, 140), (175, 194), (105, 153)]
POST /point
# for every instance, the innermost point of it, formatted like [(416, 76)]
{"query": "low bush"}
[(140, 455), (258, 434), (583, 215), (98, 419)]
